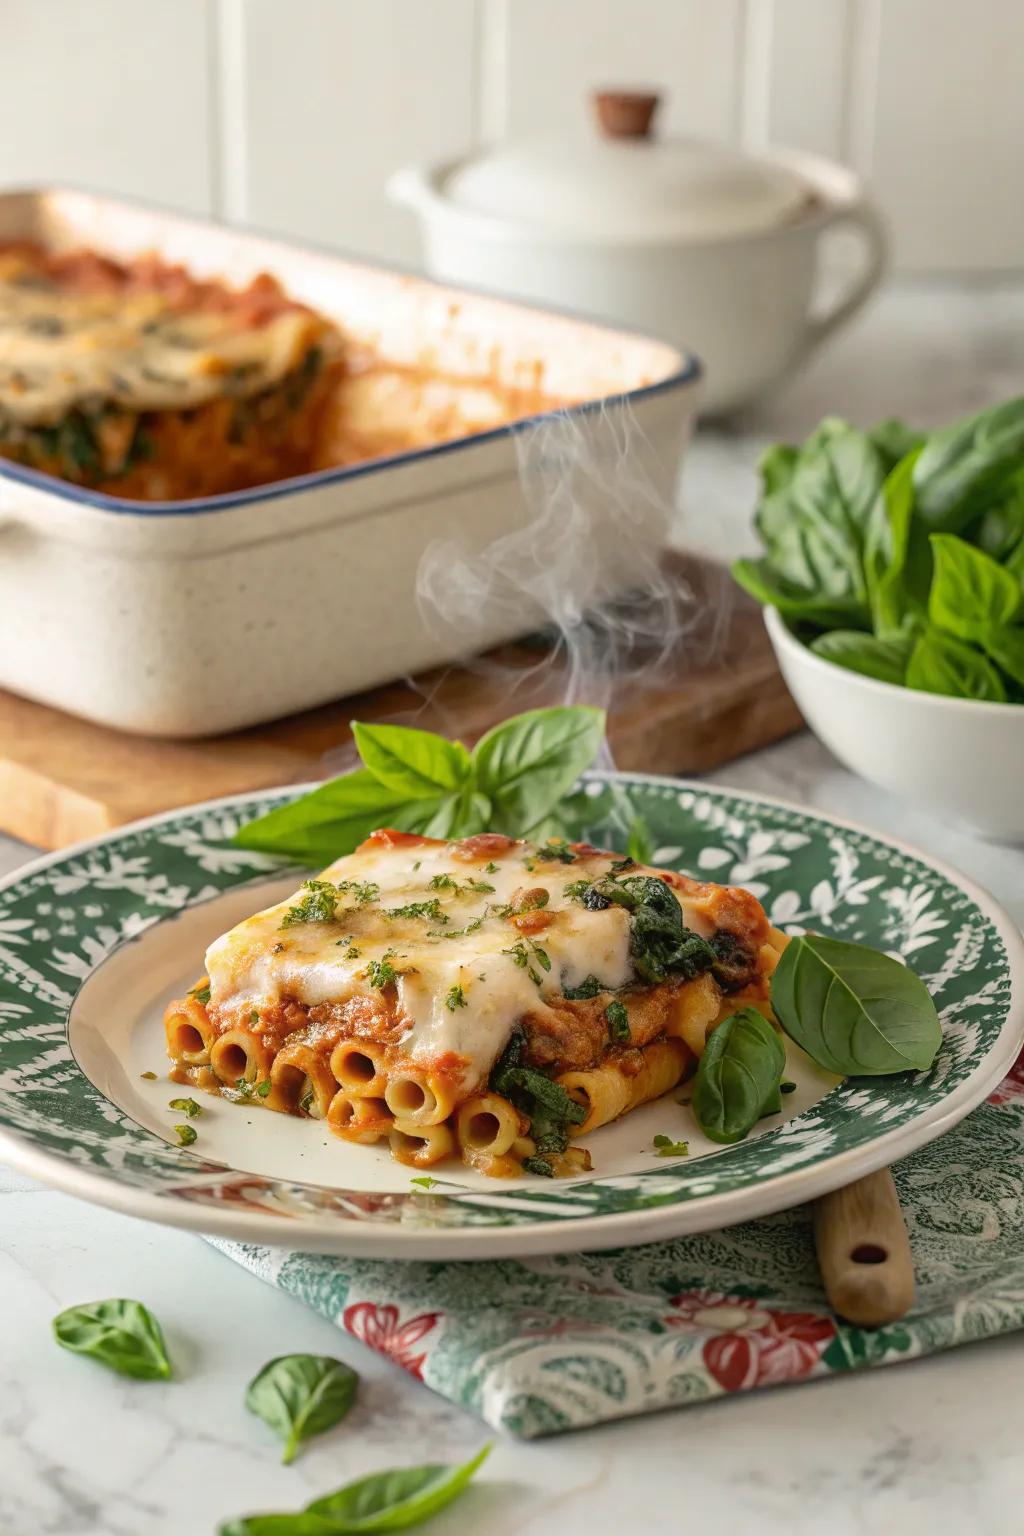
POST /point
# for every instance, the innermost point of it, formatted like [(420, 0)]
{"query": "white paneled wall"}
[(291, 114)]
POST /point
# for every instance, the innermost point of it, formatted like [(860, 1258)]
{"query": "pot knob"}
[(625, 114)]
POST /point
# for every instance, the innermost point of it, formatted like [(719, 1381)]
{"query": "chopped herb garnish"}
[(490, 869), (424, 1181), (263, 1089), (317, 907), (666, 1147), (588, 987), (480, 885), (187, 1107), (458, 933), (538, 1165), (201, 993), (363, 892), (576, 890), (149, 1076), (455, 998), (352, 953), (442, 883), (186, 1135), (787, 1087), (306, 1102), (254, 1016), (380, 973), (525, 954), (430, 909), (557, 848), (417, 865), (618, 1021)]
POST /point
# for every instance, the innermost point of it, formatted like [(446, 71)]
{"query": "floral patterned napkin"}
[(541, 1345)]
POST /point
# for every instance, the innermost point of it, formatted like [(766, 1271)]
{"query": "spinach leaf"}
[(962, 469), (300, 1396), (391, 1501), (854, 1010), (383, 1501), (882, 659), (119, 1333), (545, 1103), (738, 1076), (415, 764), (940, 664), (659, 941), (329, 821), (528, 763), (970, 592)]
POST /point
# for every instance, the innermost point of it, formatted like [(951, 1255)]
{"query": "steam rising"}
[(584, 567)]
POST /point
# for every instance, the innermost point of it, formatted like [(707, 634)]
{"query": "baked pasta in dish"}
[(488, 999), (139, 380)]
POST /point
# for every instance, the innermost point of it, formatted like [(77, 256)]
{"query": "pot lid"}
[(625, 185)]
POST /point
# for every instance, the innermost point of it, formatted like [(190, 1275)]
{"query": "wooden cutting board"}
[(63, 779)]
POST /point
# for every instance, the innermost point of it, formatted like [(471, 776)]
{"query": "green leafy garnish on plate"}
[(665, 1146)]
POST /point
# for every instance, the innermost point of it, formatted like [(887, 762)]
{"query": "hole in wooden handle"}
[(869, 1253)]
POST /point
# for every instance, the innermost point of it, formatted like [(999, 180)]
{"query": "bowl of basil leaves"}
[(893, 582)]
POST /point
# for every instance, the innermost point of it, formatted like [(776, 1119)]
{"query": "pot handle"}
[(865, 218)]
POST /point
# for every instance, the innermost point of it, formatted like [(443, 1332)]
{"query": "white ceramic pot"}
[(958, 758), (701, 245)]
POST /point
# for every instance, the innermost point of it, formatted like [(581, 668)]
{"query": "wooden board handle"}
[(864, 1252)]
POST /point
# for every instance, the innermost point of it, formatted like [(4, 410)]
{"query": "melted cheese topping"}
[(64, 345), (502, 973)]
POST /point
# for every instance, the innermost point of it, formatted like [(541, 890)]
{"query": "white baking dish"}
[(189, 618)]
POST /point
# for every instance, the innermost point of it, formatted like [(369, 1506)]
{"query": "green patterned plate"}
[(95, 940)]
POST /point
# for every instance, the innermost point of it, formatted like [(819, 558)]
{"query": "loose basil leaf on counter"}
[(970, 593), (120, 1333), (738, 1076), (527, 764), (416, 764), (300, 1396), (384, 1501), (854, 1010), (885, 660), (940, 664)]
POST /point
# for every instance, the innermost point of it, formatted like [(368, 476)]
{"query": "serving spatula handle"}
[(864, 1252)]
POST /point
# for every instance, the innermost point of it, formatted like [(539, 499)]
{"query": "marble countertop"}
[(931, 1447)]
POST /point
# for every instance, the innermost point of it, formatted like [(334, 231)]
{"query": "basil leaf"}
[(856, 1011), (300, 1396), (390, 1501), (526, 764), (800, 604), (940, 664), (777, 466), (857, 652), (1000, 530), (640, 845), (327, 822), (963, 468), (897, 560), (415, 764), (1006, 648), (121, 1334), (893, 440), (970, 591), (738, 1076)]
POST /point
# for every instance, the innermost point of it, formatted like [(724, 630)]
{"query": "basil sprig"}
[(300, 1396), (121, 1334), (384, 1501), (738, 1076), (854, 1010), (416, 781)]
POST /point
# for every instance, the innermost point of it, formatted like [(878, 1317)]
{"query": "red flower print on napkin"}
[(749, 1345), (379, 1327), (1012, 1085)]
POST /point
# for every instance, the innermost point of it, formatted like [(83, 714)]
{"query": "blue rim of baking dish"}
[(689, 373)]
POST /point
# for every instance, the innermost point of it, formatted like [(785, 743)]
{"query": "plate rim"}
[(594, 1232)]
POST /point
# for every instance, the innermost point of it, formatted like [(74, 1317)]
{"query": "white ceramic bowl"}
[(742, 300), (960, 759)]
